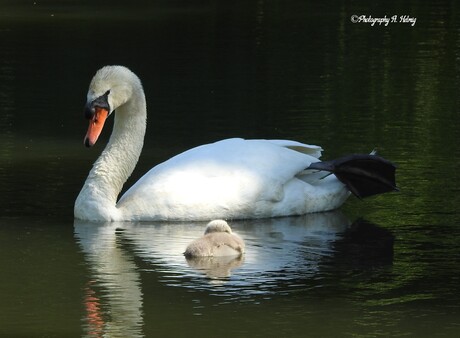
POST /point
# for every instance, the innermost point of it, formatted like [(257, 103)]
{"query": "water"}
[(385, 266)]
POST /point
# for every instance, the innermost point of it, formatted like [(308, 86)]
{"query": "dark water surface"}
[(385, 266)]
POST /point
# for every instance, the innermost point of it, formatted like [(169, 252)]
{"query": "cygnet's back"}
[(218, 240)]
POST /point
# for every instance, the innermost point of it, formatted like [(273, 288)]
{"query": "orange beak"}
[(96, 123)]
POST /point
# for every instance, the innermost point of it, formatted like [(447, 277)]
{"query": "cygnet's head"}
[(218, 225)]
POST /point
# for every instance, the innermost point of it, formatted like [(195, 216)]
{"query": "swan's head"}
[(110, 88), (217, 226)]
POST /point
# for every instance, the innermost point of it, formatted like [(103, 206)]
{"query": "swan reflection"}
[(113, 296), (281, 254), (216, 268)]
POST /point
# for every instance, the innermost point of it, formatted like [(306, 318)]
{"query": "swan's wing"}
[(308, 149), (231, 175)]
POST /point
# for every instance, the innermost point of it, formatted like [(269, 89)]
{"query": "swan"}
[(218, 241), (230, 179)]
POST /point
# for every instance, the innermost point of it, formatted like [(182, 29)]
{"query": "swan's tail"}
[(364, 175)]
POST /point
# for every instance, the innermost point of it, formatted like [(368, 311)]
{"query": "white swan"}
[(218, 241), (233, 178)]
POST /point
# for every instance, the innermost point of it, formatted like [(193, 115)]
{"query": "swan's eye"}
[(100, 102)]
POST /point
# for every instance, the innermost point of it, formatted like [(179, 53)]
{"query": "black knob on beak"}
[(101, 102)]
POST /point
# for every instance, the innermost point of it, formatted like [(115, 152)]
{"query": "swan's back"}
[(233, 178)]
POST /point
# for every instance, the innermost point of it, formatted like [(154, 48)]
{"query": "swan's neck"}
[(98, 197)]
